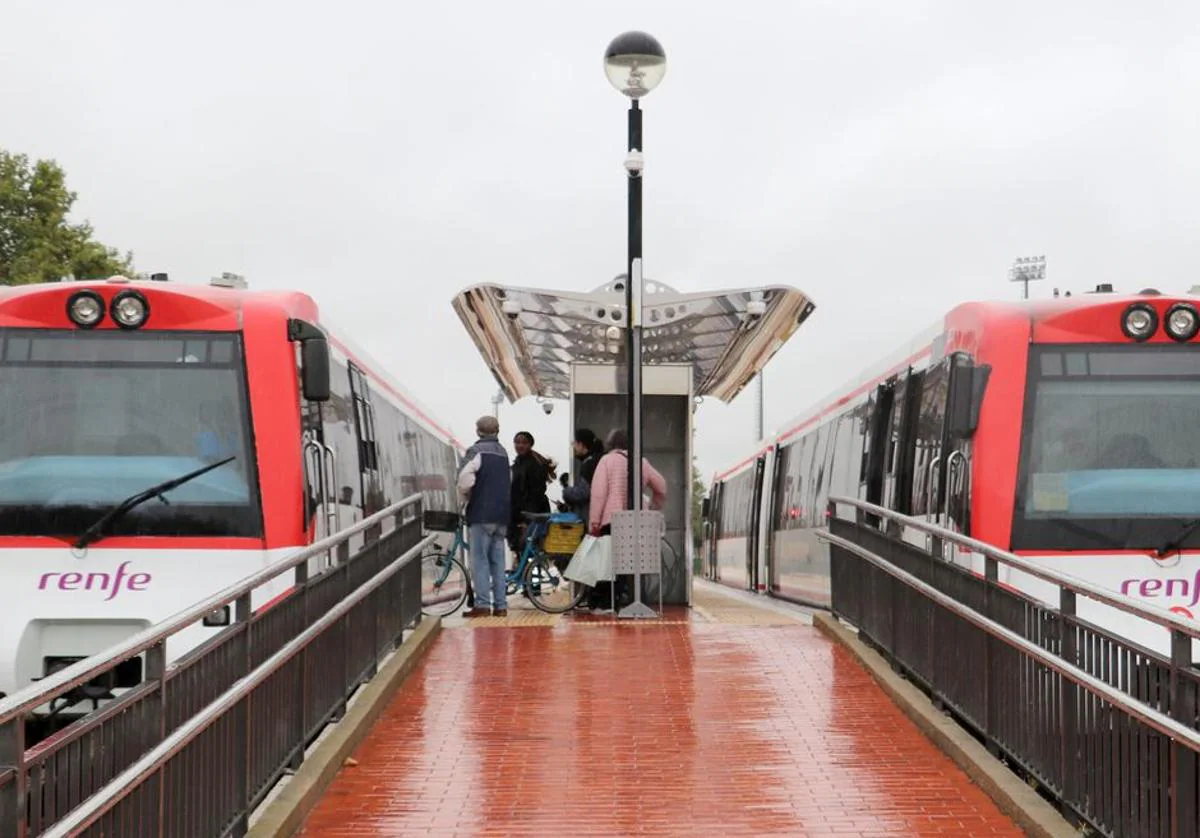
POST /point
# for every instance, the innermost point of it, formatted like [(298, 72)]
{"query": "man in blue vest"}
[(484, 483)]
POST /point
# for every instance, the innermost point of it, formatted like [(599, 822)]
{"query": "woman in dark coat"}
[(531, 475)]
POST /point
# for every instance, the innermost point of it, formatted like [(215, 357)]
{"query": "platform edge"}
[(286, 814), (1024, 805)]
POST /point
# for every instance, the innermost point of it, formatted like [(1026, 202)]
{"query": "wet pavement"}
[(730, 719)]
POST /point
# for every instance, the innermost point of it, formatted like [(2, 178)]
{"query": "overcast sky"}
[(890, 159)]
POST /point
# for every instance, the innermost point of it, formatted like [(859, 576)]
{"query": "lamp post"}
[(635, 64)]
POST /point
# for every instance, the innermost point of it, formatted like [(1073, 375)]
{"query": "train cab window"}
[(91, 418), (1110, 453)]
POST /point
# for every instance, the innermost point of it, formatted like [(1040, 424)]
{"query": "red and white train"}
[(285, 431), (1064, 430)]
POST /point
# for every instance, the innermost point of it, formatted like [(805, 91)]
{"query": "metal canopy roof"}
[(529, 338)]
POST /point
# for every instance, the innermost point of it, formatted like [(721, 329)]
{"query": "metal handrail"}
[(25, 700), (1150, 717), (1150, 613), (121, 786)]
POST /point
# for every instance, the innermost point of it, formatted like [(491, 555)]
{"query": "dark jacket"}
[(529, 478), (484, 479), (579, 496)]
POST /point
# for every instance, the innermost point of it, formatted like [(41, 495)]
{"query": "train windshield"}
[(89, 418), (1111, 450)]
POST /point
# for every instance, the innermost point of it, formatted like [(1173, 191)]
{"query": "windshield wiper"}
[(96, 531), (1177, 542)]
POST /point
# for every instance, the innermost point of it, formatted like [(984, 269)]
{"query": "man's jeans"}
[(487, 565)]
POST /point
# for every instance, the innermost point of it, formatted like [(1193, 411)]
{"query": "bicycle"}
[(446, 584)]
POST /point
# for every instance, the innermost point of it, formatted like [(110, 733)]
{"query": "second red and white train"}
[(1064, 430)]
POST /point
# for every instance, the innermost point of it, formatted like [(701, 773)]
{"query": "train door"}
[(318, 477), (752, 537), (929, 464), (317, 396), (775, 515), (714, 531), (875, 438), (369, 484), (963, 401), (898, 427)]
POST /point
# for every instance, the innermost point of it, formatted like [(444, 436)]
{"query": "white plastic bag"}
[(592, 562)]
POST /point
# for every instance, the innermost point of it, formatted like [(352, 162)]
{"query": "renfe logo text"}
[(1187, 589), (110, 583)]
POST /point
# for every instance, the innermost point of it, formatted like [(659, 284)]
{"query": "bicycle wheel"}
[(547, 589), (670, 564), (444, 585)]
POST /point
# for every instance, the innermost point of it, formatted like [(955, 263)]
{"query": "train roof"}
[(289, 303), (923, 344)]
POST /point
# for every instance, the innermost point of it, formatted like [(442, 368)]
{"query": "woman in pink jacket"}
[(610, 484), (610, 493)]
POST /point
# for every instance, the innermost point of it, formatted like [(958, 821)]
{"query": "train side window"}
[(867, 435), (929, 463), (899, 395), (816, 474), (842, 451), (877, 427), (782, 485)]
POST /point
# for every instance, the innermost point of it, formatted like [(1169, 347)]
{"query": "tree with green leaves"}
[(37, 242), (698, 492)]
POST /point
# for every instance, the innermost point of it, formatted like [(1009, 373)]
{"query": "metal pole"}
[(758, 414), (633, 304), (633, 348)]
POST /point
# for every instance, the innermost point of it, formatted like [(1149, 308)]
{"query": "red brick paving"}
[(674, 729)]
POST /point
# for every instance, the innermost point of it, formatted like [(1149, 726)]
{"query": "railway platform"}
[(732, 718)]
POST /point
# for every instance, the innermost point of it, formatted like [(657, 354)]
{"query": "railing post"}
[(302, 591), (343, 626), (242, 732), (156, 712), (13, 820), (991, 575), (1183, 759), (1068, 708)]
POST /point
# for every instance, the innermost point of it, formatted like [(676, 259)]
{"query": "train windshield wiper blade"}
[(96, 531), (1177, 542)]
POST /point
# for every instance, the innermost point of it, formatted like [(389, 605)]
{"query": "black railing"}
[(1105, 727), (199, 744)]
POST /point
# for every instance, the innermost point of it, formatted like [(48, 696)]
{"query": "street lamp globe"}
[(635, 63)]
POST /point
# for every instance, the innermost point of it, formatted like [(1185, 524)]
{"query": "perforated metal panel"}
[(637, 542)]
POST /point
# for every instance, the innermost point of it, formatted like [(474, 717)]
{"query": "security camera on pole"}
[(635, 64)]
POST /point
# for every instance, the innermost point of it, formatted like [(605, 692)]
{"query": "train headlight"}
[(1182, 322), (130, 309), (85, 309), (1139, 321), (220, 617)]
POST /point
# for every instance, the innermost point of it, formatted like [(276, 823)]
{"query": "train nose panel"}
[(47, 646)]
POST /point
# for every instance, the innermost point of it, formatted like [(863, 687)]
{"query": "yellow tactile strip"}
[(714, 607), (707, 607)]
